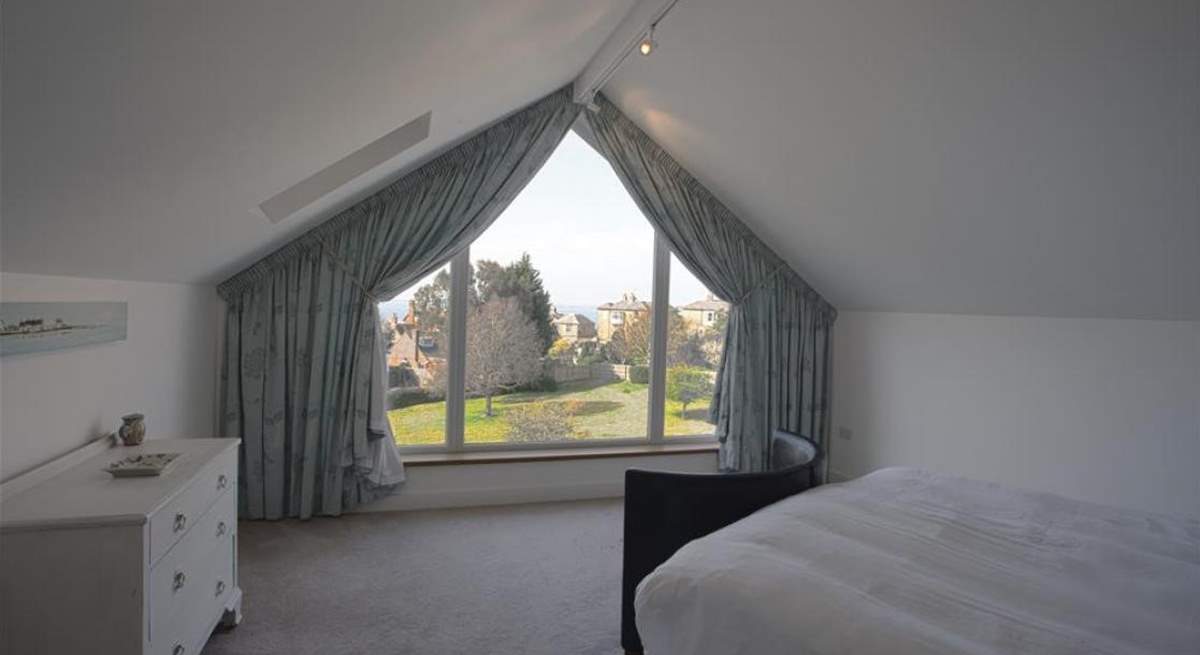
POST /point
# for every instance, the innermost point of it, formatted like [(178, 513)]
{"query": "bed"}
[(905, 561)]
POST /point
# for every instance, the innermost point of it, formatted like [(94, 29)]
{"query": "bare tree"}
[(630, 343), (504, 350)]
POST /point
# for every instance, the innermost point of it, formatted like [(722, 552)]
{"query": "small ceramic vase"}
[(134, 430)]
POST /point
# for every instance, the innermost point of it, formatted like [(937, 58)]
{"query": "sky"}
[(584, 233)]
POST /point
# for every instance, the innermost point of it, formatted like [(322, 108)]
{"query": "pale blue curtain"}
[(775, 370), (303, 372)]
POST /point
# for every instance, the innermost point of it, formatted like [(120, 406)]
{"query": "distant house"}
[(703, 314), (411, 345), (612, 315), (574, 327)]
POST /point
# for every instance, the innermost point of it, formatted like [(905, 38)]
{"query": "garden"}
[(526, 383), (578, 410)]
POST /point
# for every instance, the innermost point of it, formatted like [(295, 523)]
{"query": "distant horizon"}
[(399, 307)]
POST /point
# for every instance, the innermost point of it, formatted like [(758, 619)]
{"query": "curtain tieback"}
[(337, 261), (758, 285)]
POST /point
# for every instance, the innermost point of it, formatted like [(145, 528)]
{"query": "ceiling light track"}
[(634, 34), (647, 44)]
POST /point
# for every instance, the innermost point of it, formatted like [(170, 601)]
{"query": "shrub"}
[(537, 422), (402, 376), (407, 397), (639, 374), (561, 349), (593, 357), (686, 384), (545, 383), (589, 352)]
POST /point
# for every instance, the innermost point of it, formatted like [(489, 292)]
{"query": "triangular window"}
[(544, 333)]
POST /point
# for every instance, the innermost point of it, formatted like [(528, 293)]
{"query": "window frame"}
[(454, 437)]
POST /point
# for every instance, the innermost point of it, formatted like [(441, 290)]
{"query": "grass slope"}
[(599, 411)]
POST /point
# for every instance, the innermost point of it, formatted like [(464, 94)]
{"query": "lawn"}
[(598, 411)]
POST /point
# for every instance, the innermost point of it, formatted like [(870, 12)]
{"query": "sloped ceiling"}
[(139, 136), (996, 157)]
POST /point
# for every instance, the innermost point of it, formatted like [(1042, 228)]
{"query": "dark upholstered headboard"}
[(664, 511)]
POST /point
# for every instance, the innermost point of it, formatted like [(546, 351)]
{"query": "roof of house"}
[(640, 306), (633, 306), (573, 319), (628, 302), (709, 304)]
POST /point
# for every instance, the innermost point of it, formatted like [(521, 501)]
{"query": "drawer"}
[(187, 632), (191, 583), (169, 524)]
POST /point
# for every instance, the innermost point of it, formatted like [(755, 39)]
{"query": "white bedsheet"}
[(904, 561)]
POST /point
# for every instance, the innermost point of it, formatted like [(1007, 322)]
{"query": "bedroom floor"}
[(517, 579)]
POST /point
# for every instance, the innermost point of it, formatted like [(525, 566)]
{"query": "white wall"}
[(1045, 154), (1098, 409), (51, 403)]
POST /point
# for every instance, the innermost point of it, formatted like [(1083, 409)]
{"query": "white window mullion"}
[(660, 300), (456, 360)]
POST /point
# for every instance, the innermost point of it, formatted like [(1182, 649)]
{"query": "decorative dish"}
[(136, 466)]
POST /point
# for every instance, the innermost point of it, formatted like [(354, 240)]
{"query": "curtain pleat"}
[(774, 369), (302, 376)]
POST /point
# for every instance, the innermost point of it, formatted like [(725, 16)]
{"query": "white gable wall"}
[(54, 402), (1012, 157), (1099, 409)]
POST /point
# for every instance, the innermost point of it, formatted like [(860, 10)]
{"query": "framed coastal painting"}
[(34, 327)]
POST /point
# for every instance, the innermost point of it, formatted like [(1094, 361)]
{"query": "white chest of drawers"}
[(94, 564)]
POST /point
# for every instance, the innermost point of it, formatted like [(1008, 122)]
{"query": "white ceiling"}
[(139, 136), (999, 157)]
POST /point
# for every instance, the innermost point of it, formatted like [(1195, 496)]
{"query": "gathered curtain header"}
[(304, 377), (774, 371), (771, 264), (628, 147), (550, 111)]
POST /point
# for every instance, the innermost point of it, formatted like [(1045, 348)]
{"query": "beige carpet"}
[(524, 579)]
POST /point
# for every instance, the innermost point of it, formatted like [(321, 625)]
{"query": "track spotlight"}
[(647, 44)]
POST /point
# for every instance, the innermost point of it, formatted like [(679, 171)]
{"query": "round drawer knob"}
[(220, 587), (180, 522), (177, 650), (180, 578), (221, 529), (222, 481)]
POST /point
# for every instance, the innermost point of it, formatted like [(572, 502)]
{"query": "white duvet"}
[(904, 561)]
